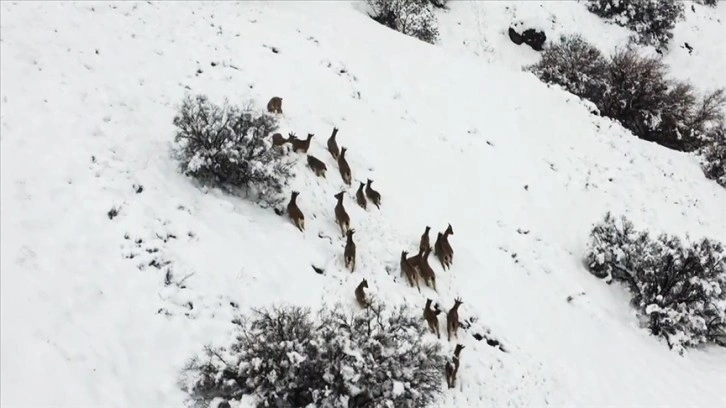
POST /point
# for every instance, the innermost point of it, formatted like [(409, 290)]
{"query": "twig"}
[(185, 278)]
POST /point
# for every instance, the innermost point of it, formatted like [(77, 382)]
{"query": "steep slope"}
[(101, 311), (702, 64)]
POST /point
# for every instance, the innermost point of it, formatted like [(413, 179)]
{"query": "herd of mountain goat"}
[(411, 267)]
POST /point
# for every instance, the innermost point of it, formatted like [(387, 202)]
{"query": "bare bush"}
[(634, 90), (655, 108)]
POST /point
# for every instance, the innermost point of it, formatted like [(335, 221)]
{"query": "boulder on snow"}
[(530, 36), (514, 36)]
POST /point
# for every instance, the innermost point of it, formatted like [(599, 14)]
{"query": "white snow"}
[(451, 133), (398, 388)]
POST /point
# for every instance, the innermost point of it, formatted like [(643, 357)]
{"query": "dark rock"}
[(534, 39), (530, 36), (514, 36)]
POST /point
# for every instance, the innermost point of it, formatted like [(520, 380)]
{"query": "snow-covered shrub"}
[(411, 17), (285, 356), (679, 290), (392, 364), (614, 248), (224, 146), (713, 157), (651, 20), (574, 64)]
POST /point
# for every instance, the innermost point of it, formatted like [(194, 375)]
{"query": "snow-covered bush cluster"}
[(411, 17), (679, 289), (651, 20), (713, 157), (224, 146), (285, 356), (634, 90), (576, 65)]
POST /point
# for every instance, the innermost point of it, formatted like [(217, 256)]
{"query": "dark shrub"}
[(411, 17), (655, 108), (224, 146), (637, 94), (679, 290), (635, 91), (651, 20), (285, 357)]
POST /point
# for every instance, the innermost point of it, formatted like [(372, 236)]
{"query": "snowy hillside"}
[(105, 310)]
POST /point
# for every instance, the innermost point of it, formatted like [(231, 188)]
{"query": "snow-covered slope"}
[(105, 312)]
